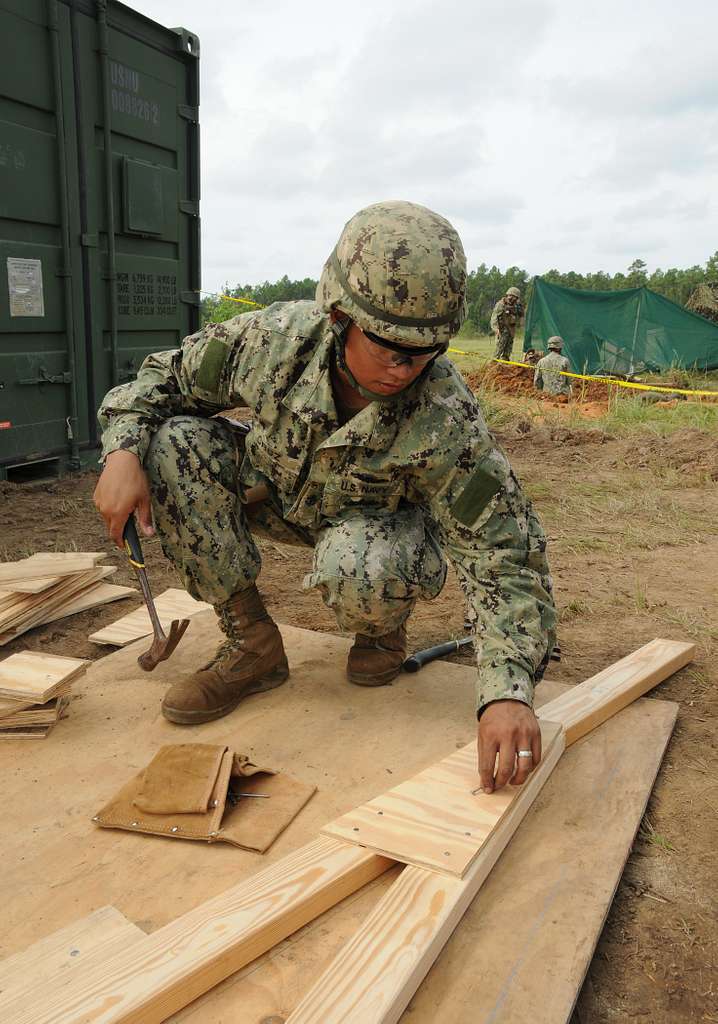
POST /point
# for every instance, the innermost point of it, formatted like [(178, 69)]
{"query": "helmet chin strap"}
[(339, 328)]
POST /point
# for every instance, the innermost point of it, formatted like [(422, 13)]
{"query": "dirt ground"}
[(633, 528)]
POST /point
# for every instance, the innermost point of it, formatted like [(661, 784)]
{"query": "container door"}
[(43, 399)]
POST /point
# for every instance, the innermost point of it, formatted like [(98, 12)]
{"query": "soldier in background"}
[(546, 375), (504, 319), (369, 448)]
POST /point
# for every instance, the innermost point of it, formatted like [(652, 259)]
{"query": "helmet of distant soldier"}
[(398, 271), (514, 291), (555, 343)]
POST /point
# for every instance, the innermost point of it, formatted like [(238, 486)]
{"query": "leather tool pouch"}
[(194, 791)]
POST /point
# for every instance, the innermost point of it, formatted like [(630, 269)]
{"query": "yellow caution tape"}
[(249, 302), (601, 380), (611, 380)]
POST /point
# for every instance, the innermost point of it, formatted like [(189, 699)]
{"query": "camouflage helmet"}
[(514, 291), (399, 271), (556, 342)]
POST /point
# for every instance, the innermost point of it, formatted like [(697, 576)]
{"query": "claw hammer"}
[(162, 645)]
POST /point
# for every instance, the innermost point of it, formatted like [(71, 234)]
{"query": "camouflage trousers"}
[(504, 345), (370, 566)]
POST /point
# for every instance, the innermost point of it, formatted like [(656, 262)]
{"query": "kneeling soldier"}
[(369, 447)]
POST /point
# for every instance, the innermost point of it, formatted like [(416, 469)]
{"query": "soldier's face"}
[(379, 369)]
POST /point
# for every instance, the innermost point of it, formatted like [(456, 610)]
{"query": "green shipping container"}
[(99, 215)]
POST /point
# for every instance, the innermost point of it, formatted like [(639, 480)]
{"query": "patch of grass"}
[(649, 835), (575, 609)]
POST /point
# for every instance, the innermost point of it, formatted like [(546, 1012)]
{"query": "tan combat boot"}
[(250, 660), (375, 661)]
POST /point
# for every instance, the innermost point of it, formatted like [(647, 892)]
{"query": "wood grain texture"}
[(34, 609), (592, 702), (435, 819), (172, 604), (54, 958), (30, 675), (379, 970), (45, 564), (177, 963), (95, 595)]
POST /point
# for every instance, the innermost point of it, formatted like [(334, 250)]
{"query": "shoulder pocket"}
[(210, 369), (480, 488)]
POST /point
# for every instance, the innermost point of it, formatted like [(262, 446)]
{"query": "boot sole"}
[(380, 679), (270, 681)]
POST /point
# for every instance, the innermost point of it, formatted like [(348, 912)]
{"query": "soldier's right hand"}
[(121, 490)]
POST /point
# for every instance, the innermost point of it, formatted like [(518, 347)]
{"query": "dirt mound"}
[(689, 450), (519, 380)]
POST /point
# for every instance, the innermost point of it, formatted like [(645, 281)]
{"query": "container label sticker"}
[(24, 285)]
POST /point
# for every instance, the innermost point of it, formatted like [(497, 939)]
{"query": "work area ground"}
[(632, 521)]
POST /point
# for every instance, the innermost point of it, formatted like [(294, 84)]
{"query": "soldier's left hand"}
[(505, 728)]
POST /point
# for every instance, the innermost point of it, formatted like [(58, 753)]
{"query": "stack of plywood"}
[(50, 585), (34, 692), (172, 604)]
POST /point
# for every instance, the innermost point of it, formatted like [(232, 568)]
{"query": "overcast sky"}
[(553, 133)]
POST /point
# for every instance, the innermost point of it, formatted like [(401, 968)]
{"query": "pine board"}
[(39, 566), (592, 702), (435, 819), (57, 559), (53, 959), (96, 594), (50, 604), (172, 604), (30, 675), (152, 979)]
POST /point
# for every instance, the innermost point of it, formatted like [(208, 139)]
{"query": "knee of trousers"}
[(192, 447), (372, 567)]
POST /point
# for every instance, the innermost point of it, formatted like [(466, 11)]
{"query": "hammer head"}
[(163, 646)]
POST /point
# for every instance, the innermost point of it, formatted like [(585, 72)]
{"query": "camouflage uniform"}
[(504, 319), (380, 497), (547, 379)]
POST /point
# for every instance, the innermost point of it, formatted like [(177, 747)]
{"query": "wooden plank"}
[(57, 559), (168, 969), (96, 594), (51, 601), (37, 714), (422, 904), (42, 565), (592, 702), (51, 960), (379, 970), (31, 675), (437, 819), (172, 604)]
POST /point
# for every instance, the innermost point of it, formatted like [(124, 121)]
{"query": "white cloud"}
[(552, 133)]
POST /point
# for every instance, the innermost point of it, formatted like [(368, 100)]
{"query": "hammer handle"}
[(416, 661)]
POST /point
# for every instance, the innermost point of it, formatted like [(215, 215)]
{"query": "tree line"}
[(485, 287)]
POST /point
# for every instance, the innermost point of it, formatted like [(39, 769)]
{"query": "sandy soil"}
[(633, 528)]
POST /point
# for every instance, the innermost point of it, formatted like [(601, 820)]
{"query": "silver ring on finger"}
[(525, 753)]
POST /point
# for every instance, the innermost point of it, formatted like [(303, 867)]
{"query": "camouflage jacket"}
[(431, 448), (506, 315), (547, 379)]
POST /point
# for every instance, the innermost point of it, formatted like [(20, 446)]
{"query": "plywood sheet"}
[(34, 676), (30, 610), (345, 740), (437, 819), (56, 559), (172, 604)]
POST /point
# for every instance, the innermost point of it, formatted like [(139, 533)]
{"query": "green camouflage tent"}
[(621, 332)]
